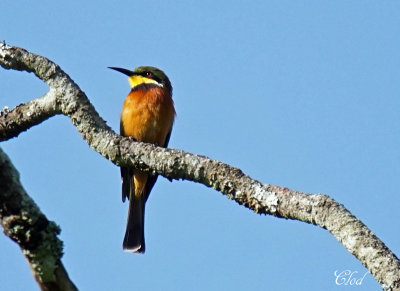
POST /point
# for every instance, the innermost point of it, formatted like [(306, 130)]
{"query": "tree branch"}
[(66, 98), (24, 223)]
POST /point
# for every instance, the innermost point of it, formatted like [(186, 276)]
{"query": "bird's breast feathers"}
[(148, 115)]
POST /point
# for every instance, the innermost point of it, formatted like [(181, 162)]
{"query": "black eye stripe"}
[(150, 75), (147, 74)]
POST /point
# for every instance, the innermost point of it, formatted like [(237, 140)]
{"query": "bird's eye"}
[(149, 74)]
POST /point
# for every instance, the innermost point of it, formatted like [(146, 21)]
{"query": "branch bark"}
[(65, 97), (24, 223)]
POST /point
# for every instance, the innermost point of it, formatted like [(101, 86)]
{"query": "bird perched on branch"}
[(147, 115)]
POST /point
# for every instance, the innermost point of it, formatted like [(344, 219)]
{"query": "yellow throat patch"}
[(137, 80)]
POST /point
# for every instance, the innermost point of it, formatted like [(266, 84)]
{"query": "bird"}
[(148, 115)]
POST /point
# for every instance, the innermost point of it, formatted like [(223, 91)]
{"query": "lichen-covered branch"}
[(24, 223), (66, 98)]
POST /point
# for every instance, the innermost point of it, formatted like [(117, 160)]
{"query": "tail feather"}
[(134, 235)]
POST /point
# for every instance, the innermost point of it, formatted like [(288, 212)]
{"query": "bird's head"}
[(146, 75)]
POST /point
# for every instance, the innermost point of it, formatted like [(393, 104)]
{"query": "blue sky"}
[(297, 94)]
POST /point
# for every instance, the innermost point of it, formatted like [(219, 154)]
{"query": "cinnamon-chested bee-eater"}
[(147, 115)]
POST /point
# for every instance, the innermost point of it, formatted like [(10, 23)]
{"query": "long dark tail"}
[(134, 235)]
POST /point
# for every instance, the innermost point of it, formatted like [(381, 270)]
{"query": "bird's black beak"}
[(123, 71)]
